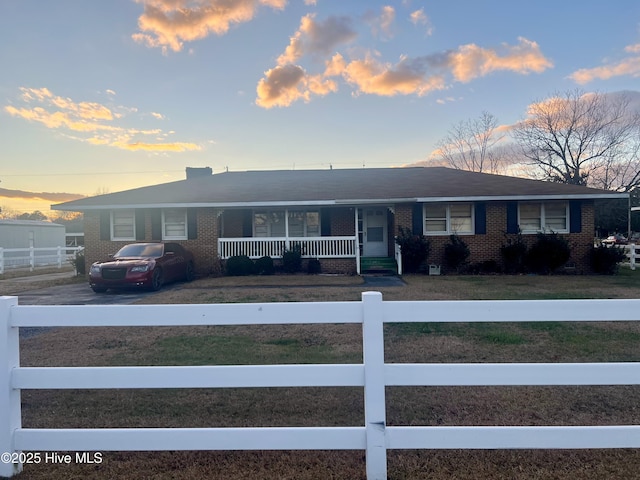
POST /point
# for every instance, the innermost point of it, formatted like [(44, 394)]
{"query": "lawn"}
[(434, 342)]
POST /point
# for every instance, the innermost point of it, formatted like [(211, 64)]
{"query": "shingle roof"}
[(338, 186)]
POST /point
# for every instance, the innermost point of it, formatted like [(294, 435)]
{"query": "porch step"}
[(378, 265)]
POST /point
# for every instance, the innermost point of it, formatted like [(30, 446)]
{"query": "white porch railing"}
[(374, 436), (36, 257), (311, 247)]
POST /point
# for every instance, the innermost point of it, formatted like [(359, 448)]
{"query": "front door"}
[(374, 226)]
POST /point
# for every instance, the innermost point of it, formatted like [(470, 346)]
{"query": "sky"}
[(99, 97)]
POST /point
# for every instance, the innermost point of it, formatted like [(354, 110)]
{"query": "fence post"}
[(1, 260), (59, 257), (374, 385), (10, 415), (32, 258), (632, 256)]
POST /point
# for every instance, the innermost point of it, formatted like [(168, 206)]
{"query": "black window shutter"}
[(512, 217), (156, 224), (325, 222), (247, 223), (481, 218), (140, 224), (575, 216), (192, 223), (417, 219), (105, 225)]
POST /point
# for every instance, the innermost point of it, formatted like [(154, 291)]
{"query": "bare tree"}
[(471, 145), (582, 139)]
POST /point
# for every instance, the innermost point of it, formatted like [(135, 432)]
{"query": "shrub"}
[(605, 260), (414, 248), (78, 263), (548, 253), (264, 266), (456, 253), (240, 265), (292, 260), (314, 267), (513, 255)]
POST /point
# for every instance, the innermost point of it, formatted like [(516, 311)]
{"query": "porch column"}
[(287, 243), (357, 240)]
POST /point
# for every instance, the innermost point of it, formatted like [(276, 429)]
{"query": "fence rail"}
[(36, 257), (374, 436), (311, 247)]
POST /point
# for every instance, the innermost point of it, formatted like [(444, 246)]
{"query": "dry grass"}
[(344, 406)]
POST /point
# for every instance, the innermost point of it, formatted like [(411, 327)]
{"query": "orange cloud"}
[(94, 120), (169, 23), (471, 61), (49, 196), (628, 66), (283, 85)]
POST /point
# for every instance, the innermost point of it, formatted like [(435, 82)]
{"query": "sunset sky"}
[(107, 96)]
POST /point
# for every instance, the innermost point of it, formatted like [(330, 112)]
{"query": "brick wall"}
[(487, 246), (204, 247)]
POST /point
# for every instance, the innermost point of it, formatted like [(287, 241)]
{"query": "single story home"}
[(346, 218)]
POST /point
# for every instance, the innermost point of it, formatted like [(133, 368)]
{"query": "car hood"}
[(125, 262)]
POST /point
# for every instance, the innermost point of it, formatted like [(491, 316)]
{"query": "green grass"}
[(236, 350)]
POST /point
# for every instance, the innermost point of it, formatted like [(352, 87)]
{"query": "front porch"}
[(343, 235)]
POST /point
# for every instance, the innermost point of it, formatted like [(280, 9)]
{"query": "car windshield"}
[(140, 250)]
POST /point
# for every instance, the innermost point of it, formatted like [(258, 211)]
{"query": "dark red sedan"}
[(149, 265)]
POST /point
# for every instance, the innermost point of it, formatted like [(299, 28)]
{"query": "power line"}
[(86, 173)]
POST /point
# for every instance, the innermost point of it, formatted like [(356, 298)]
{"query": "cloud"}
[(314, 37), (418, 17), (167, 24), (285, 84), (92, 122), (157, 115), (383, 23), (627, 66), (49, 196), (422, 75), (289, 81), (471, 61)]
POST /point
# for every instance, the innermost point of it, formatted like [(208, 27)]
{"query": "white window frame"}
[(112, 225), (448, 230), (185, 236), (543, 221), (285, 213)]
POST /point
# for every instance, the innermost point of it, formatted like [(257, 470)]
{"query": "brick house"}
[(346, 218)]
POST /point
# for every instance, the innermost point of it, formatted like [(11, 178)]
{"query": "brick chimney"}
[(195, 172)]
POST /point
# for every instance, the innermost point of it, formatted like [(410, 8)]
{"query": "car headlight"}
[(95, 269), (140, 268)]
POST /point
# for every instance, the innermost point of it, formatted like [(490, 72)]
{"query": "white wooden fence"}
[(374, 436), (632, 254), (36, 257)]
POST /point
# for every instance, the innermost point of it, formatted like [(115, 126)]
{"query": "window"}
[(548, 217), (301, 223), (445, 219), (123, 225), (174, 224)]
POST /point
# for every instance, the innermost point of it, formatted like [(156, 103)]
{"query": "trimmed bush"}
[(415, 250), (548, 254), (605, 260), (314, 267), (456, 253), (240, 265), (514, 253), (292, 260), (264, 266)]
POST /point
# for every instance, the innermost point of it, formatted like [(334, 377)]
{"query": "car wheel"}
[(99, 288), (189, 273), (156, 280)]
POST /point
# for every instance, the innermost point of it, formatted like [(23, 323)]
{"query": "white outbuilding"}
[(42, 237)]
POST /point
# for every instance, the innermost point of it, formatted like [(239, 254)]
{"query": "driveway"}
[(81, 294)]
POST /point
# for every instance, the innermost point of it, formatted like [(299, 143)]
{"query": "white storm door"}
[(374, 226)]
